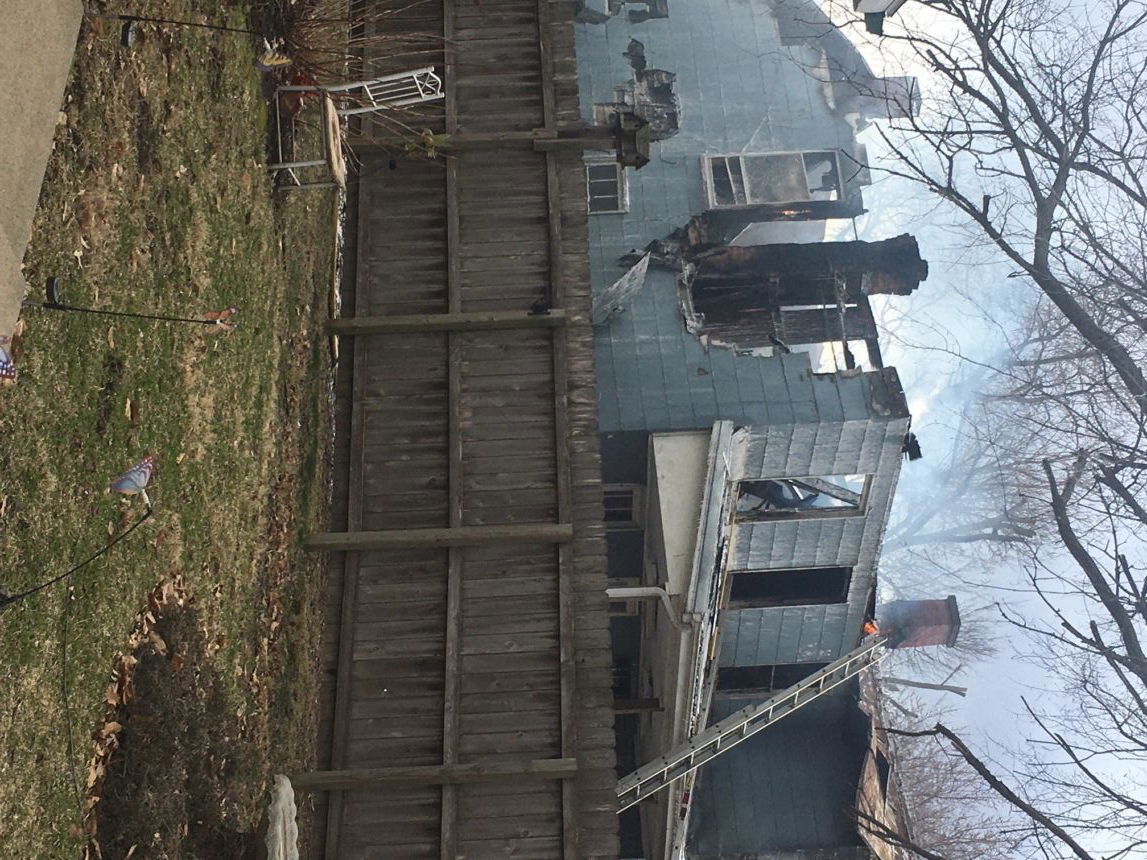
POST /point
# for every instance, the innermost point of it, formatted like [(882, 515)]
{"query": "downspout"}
[(644, 592)]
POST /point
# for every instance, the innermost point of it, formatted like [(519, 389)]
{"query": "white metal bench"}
[(389, 91), (342, 100)]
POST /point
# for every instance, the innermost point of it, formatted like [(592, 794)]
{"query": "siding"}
[(783, 634), (791, 787), (740, 91), (654, 375), (800, 634)]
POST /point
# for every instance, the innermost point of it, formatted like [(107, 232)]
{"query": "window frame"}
[(711, 191), (788, 514), (838, 575), (622, 186), (636, 521)]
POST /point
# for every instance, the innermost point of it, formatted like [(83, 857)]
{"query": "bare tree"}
[(1037, 138), (968, 500), (953, 813), (1078, 467), (1038, 823), (1034, 131)]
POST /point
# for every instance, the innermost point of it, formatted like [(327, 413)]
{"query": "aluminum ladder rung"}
[(724, 735)]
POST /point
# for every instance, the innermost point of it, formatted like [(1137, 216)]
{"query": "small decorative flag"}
[(134, 480), (7, 366)]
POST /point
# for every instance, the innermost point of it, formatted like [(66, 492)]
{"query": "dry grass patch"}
[(156, 200)]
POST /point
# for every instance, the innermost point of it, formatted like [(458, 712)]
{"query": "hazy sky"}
[(938, 338)]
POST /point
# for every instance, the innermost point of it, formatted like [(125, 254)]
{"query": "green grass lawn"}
[(156, 199)]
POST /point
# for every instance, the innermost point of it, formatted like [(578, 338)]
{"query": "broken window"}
[(883, 772), (624, 508), (764, 678), (833, 357), (782, 177), (788, 498), (605, 187), (804, 587)]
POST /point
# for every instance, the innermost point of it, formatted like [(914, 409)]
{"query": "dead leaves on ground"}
[(168, 595)]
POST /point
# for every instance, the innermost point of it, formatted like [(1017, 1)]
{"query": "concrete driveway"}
[(37, 40)]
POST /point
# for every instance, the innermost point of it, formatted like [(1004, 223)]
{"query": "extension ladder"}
[(720, 737)]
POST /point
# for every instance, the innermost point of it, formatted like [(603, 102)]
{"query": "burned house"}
[(763, 534), (750, 495), (785, 295), (751, 436), (765, 99)]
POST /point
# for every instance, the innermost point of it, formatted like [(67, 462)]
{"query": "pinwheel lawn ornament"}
[(7, 365), (132, 483), (220, 318), (216, 319)]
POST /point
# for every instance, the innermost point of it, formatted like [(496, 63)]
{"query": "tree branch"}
[(998, 786)]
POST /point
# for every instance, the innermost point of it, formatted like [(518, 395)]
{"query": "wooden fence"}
[(468, 707)]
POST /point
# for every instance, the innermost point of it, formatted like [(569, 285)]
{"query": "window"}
[(624, 507), (628, 607), (883, 771), (806, 587), (605, 187), (798, 498), (765, 678), (782, 177), (625, 678)]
